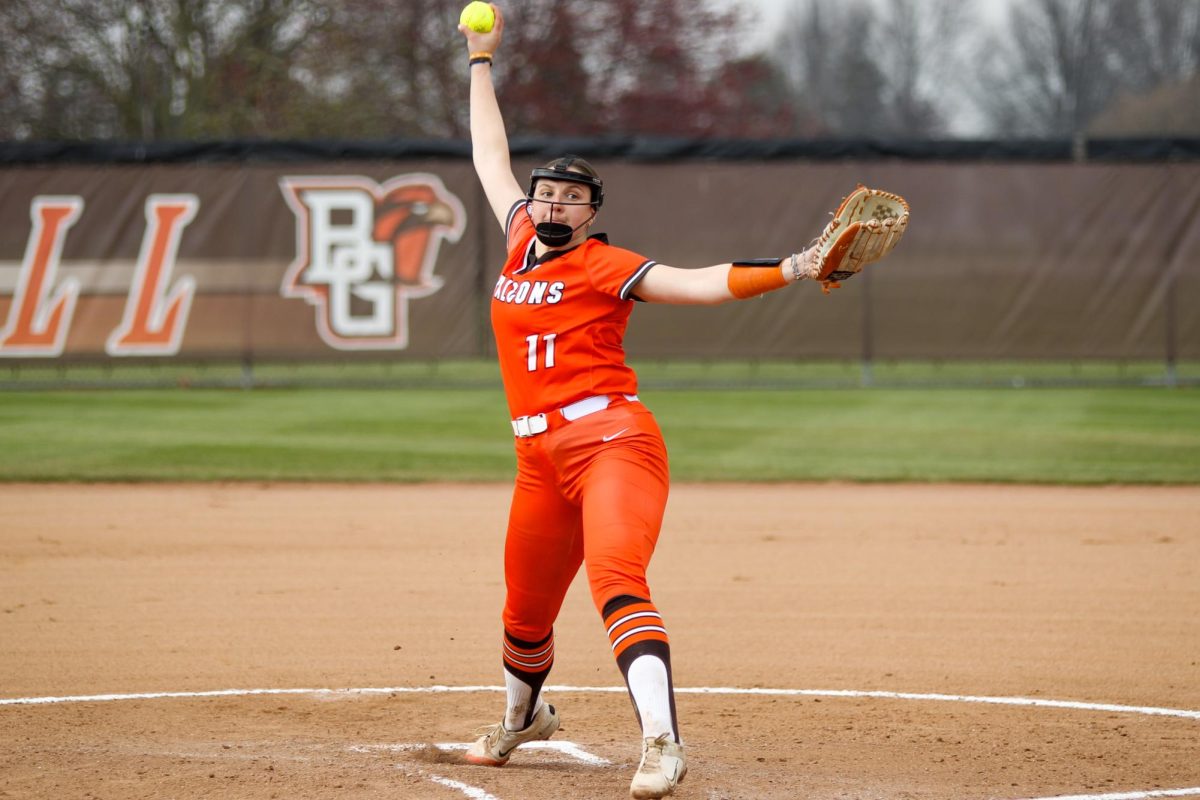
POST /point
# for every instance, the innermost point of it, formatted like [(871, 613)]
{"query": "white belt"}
[(533, 425)]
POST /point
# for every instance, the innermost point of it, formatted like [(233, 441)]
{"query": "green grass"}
[(1077, 436), (668, 373), (1069, 435)]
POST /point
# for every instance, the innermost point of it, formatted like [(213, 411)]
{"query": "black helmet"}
[(560, 170)]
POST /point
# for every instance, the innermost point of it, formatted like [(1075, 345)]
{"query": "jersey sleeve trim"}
[(512, 214), (514, 224), (527, 262), (633, 280)]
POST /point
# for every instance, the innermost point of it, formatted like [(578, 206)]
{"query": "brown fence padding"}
[(1001, 261)]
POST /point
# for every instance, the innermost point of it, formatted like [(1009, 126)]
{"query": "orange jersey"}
[(560, 324)]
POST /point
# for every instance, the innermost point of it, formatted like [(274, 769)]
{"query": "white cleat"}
[(662, 769), (494, 747)]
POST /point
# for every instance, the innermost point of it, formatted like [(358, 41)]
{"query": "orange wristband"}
[(752, 281)]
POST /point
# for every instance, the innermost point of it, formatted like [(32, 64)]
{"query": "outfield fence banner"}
[(256, 261)]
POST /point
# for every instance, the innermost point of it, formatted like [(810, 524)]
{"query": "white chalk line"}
[(475, 793), (1194, 791), (569, 749), (472, 792), (717, 690)]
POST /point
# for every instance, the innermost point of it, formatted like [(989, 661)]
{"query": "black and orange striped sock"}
[(527, 665), (635, 629)]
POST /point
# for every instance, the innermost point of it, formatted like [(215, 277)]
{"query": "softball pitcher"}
[(592, 474)]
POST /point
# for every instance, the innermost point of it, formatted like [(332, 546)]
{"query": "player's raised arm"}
[(489, 142)]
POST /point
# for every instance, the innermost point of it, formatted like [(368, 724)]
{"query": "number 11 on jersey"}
[(532, 353)]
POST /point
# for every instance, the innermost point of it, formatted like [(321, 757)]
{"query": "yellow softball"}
[(478, 16)]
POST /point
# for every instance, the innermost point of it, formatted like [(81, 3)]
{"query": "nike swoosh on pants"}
[(613, 436)]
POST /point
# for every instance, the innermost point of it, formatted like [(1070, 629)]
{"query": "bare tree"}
[(567, 67), (381, 69), (236, 61), (1061, 64), (805, 59), (923, 49), (1049, 75), (161, 69), (620, 67), (151, 69), (1156, 48), (1153, 42), (870, 68), (750, 99), (548, 81), (857, 105), (49, 81)]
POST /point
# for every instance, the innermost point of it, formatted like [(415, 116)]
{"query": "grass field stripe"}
[(721, 690), (1193, 792)]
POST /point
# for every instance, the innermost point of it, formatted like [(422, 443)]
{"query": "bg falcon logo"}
[(364, 250)]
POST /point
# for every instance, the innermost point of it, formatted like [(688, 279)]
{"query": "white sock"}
[(517, 710), (647, 679)]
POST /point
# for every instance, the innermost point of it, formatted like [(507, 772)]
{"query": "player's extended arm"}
[(489, 142), (865, 227), (720, 283)]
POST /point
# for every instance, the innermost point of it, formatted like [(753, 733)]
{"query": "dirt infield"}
[(919, 637)]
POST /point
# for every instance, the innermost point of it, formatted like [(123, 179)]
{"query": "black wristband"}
[(758, 262), (479, 60)]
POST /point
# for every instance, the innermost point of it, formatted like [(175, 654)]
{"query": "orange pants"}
[(588, 492)]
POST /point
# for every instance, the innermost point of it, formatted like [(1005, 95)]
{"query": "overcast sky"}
[(771, 13)]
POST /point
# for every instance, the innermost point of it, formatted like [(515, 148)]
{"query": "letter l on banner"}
[(38, 321), (154, 320)]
